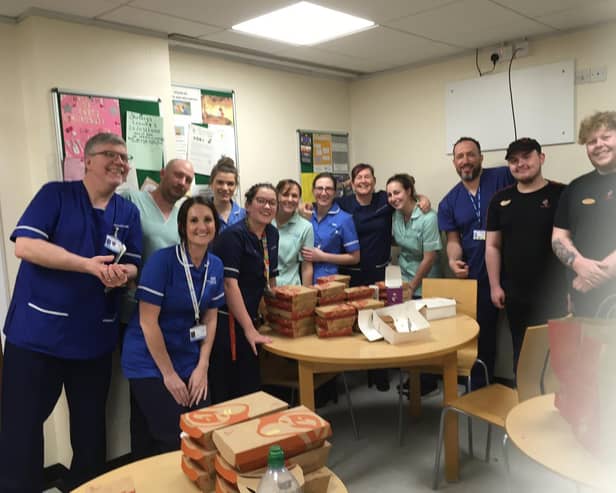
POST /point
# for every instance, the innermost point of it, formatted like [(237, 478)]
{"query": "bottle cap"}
[(275, 458)]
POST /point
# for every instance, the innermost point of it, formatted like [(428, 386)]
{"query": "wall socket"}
[(505, 51), (592, 74)]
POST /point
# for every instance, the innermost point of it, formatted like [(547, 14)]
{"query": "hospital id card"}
[(479, 234), (198, 333), (114, 244)]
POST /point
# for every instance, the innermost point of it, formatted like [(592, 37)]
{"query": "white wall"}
[(398, 119), (271, 106)]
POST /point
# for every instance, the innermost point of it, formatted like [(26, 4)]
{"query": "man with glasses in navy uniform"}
[(79, 242)]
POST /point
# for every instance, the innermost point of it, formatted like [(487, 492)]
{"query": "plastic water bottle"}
[(277, 478)]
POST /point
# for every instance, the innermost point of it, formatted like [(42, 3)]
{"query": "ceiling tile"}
[(90, 8), (470, 23), (533, 8), (602, 12), (245, 41), (157, 22), (315, 55), (387, 44), (223, 13), (380, 12)]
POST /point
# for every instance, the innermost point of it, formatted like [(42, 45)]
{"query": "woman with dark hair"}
[(335, 237), (295, 233), (249, 252), (415, 232), (223, 183), (167, 345)]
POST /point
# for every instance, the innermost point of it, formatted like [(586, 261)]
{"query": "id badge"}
[(113, 244), (479, 234), (198, 333)]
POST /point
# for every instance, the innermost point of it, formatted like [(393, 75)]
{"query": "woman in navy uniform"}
[(249, 251), (167, 345)]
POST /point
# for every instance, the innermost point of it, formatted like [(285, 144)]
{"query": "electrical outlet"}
[(521, 48), (505, 52), (598, 74), (582, 76)]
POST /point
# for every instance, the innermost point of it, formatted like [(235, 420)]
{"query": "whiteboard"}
[(543, 98)]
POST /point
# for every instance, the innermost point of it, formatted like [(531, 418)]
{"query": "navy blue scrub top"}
[(373, 226), (241, 252), (163, 283), (62, 313), (458, 212)]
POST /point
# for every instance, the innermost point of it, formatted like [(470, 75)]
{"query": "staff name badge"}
[(198, 333), (114, 244), (479, 234)]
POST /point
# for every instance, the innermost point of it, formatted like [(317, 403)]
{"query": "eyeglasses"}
[(261, 201), (125, 158), (324, 189)]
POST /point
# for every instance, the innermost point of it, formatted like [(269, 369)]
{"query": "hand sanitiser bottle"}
[(277, 478)]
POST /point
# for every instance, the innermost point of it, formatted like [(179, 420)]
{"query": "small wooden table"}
[(536, 427), (338, 354), (163, 474)]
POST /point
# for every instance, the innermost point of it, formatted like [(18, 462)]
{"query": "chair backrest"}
[(531, 364), (464, 291)]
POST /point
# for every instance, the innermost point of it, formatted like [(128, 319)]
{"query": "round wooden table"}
[(315, 355), (160, 474), (536, 427)]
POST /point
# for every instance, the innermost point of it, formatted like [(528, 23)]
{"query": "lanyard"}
[(266, 259), (476, 206), (191, 285)]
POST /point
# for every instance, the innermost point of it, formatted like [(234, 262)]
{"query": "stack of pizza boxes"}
[(225, 446), (330, 292), (344, 279), (290, 310)]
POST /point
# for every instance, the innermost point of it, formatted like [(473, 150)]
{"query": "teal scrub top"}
[(158, 231), (420, 234), (295, 234)]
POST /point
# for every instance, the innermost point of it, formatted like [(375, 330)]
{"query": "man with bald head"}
[(158, 208)]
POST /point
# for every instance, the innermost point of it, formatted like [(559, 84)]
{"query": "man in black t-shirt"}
[(526, 278), (584, 235)]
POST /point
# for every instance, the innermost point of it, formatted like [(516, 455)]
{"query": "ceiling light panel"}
[(304, 23)]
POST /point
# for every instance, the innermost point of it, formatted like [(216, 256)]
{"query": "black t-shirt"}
[(525, 221), (588, 210)]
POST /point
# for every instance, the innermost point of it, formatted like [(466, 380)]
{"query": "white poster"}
[(201, 151), (186, 110)]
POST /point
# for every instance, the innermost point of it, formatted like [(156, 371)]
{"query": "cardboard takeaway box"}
[(245, 445), (359, 293), (292, 328), (330, 293), (397, 324), (200, 424), (344, 279), (335, 320), (436, 308), (200, 455), (205, 481)]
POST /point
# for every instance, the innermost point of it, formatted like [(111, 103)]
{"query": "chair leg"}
[(488, 442), (469, 422), (506, 459), (485, 370), (439, 448), (400, 410), (292, 396), (350, 405)]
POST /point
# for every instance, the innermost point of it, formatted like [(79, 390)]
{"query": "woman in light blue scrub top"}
[(295, 233), (415, 232)]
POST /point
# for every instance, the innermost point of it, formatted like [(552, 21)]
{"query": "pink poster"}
[(83, 117)]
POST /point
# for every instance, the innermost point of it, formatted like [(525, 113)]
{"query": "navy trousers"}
[(487, 318), (154, 418), (31, 385), (228, 378)]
